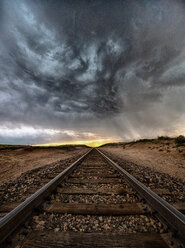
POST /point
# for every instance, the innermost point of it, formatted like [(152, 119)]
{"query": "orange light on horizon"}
[(91, 143)]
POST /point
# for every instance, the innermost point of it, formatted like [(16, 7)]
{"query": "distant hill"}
[(180, 141), (29, 147)]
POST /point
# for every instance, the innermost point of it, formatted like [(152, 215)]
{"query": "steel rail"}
[(174, 218), (18, 215)]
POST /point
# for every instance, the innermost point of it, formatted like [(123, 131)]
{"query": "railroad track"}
[(93, 203)]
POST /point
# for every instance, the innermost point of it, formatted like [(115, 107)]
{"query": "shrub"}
[(164, 138), (180, 140)]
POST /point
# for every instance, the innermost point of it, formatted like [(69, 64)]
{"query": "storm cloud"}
[(105, 68)]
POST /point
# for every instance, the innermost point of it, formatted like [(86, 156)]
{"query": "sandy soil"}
[(15, 162), (163, 156)]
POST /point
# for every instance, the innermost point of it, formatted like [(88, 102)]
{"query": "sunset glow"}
[(91, 143)]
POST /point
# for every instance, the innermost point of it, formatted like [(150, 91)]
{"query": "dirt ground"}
[(163, 156), (15, 162)]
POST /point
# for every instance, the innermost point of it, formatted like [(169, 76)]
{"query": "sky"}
[(97, 70)]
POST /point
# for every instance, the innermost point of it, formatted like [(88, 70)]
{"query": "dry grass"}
[(16, 160), (163, 155)]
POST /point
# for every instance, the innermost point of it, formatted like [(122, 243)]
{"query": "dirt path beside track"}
[(15, 162)]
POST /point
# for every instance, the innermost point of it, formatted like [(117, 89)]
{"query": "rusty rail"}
[(174, 218), (12, 220), (19, 214)]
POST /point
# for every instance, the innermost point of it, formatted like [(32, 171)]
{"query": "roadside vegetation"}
[(180, 141), (33, 148), (11, 147)]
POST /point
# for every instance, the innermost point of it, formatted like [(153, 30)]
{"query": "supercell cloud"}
[(79, 70)]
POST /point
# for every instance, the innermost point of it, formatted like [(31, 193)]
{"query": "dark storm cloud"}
[(114, 67)]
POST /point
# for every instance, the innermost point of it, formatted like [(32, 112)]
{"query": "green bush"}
[(180, 140), (11, 147), (164, 138)]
